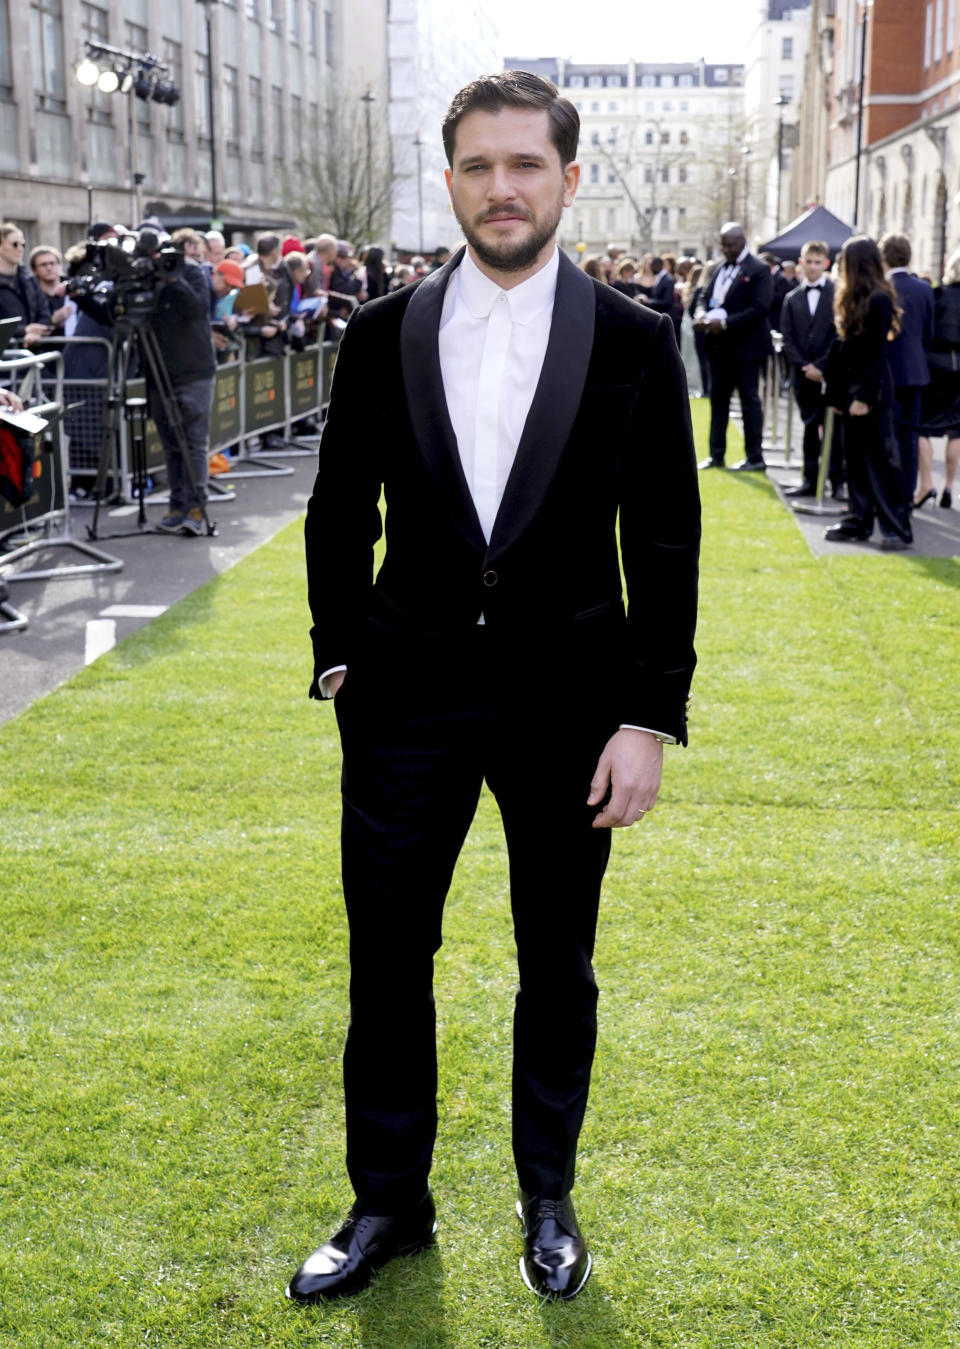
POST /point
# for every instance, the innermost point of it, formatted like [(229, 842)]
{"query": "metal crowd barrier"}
[(251, 399), (772, 389), (43, 521)]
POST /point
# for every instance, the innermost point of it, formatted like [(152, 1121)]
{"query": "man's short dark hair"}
[(656, 264), (895, 250), (815, 246), (516, 89), (267, 244)]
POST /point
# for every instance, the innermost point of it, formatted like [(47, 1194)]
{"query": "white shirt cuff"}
[(661, 735), (322, 681)]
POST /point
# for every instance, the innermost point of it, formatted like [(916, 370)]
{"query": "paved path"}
[(936, 532), (74, 619)]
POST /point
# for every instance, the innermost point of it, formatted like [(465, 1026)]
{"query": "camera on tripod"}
[(124, 284)]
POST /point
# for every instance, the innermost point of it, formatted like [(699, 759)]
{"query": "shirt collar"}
[(739, 258), (892, 271), (527, 300)]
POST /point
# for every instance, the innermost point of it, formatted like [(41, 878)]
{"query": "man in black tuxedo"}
[(806, 322), (522, 406), (733, 308), (907, 353)]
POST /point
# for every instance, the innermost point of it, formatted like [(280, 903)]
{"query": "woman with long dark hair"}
[(859, 388), (941, 398)]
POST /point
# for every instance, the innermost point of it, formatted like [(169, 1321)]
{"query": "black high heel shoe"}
[(946, 500), (927, 496)]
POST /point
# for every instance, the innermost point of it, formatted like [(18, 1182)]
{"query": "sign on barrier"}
[(304, 388), (226, 423), (264, 401)]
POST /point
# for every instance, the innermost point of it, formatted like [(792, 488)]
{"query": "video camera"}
[(121, 283)]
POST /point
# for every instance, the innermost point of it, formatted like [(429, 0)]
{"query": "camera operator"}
[(20, 295), (181, 326)]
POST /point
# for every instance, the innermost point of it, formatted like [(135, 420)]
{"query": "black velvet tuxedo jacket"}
[(748, 300), (608, 432), (806, 340)]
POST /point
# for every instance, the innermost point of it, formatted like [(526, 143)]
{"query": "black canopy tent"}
[(817, 223)]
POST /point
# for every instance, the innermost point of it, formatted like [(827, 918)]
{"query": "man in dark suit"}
[(733, 308), (806, 322), (522, 406), (907, 353)]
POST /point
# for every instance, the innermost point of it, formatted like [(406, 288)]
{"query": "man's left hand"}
[(630, 766)]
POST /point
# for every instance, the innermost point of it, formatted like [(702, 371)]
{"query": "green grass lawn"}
[(772, 1155)]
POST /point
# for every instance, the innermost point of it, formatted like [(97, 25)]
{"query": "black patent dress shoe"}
[(893, 543), (847, 531), (364, 1244), (749, 466), (802, 489), (704, 464), (555, 1261)]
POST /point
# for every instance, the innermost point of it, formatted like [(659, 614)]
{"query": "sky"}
[(617, 30)]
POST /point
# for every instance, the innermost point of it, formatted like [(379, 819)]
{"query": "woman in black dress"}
[(860, 389), (940, 415)]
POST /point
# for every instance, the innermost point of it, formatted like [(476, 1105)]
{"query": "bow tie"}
[(817, 285)]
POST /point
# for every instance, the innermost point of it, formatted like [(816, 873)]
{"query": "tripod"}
[(132, 333)]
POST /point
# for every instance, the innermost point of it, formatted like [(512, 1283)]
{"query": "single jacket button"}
[(490, 578)]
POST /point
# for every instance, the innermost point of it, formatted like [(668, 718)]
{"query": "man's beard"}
[(512, 257)]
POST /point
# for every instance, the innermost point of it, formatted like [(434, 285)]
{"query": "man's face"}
[(215, 250), (192, 248), (46, 268), (731, 245), (507, 185), (814, 265)]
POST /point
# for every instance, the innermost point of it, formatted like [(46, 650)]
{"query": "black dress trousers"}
[(729, 373), (423, 725)]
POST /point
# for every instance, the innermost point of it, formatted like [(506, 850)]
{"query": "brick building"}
[(910, 143)]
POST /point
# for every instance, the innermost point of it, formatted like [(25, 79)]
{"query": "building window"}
[(666, 106), (664, 217), (201, 71), (648, 173), (595, 81), (649, 106), (312, 27), (786, 49), (684, 138), (682, 173), (594, 173), (576, 81), (327, 33), (648, 81), (299, 132), (594, 137), (648, 137), (683, 105), (666, 81), (6, 62), (231, 109), (938, 32), (293, 21), (279, 127), (253, 10), (951, 23), (665, 174), (664, 137), (614, 81), (786, 87), (594, 107), (611, 175), (256, 118), (611, 107), (96, 28), (928, 36), (276, 16), (611, 218), (720, 75), (173, 60), (685, 81), (136, 37)]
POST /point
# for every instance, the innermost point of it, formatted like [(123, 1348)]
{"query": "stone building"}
[(69, 153), (658, 143)]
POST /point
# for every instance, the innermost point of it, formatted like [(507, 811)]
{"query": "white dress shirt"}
[(814, 290), (722, 283), (492, 346)]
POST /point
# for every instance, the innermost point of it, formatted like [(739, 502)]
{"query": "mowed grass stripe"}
[(770, 1158)]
